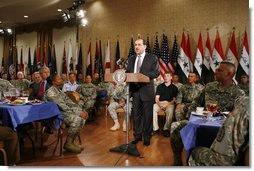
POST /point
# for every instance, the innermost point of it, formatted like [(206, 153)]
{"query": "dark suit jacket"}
[(35, 90), (150, 68)]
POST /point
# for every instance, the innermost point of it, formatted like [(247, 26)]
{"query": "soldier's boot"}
[(116, 126), (69, 146), (77, 144)]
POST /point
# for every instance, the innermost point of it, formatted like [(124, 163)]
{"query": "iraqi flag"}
[(218, 55), (198, 63), (244, 63)]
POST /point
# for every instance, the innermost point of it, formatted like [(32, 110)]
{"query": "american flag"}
[(164, 60), (131, 51), (175, 52), (156, 48), (148, 49)]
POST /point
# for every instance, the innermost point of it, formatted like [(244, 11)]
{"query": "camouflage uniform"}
[(178, 85), (245, 88), (4, 86), (70, 110), (231, 141), (225, 99), (87, 91), (116, 93), (187, 93), (21, 84)]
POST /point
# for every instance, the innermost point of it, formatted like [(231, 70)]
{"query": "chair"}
[(3, 152), (161, 118)]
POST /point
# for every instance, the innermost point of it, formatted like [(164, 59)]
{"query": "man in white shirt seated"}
[(71, 85)]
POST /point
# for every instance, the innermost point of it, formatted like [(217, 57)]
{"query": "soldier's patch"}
[(221, 134)]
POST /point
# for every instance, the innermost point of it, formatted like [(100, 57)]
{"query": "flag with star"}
[(207, 74), (131, 51), (156, 48), (183, 61), (218, 55), (164, 60), (188, 53), (244, 63), (199, 57), (148, 49)]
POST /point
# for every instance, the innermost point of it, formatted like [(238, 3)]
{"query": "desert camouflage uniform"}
[(187, 93), (117, 93), (225, 99), (4, 86), (87, 91), (70, 110), (231, 141), (21, 84)]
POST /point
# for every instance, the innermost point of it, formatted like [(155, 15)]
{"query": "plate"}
[(13, 104), (225, 113), (198, 114), (36, 103)]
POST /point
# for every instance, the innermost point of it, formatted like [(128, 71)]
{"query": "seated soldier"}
[(187, 93), (4, 86), (117, 95), (88, 94), (231, 142), (164, 100), (20, 83), (223, 91), (244, 84), (73, 114)]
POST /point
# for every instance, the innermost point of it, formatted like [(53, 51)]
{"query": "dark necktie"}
[(41, 90), (139, 64)]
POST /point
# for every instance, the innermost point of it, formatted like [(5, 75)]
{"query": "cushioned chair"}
[(3, 153), (73, 95)]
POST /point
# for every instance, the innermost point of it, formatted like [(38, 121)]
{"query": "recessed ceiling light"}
[(25, 16), (0, 22), (59, 10)]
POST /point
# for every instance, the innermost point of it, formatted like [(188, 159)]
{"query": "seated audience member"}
[(231, 142), (187, 93), (176, 82), (87, 93), (244, 84), (29, 77), (20, 83), (80, 79), (71, 85), (39, 89), (11, 144), (36, 77), (73, 114), (4, 76), (96, 79), (5, 85), (64, 77), (223, 91), (164, 100), (117, 95)]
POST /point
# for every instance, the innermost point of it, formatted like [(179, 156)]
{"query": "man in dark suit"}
[(143, 93), (39, 88)]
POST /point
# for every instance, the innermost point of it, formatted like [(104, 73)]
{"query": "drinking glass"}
[(211, 108)]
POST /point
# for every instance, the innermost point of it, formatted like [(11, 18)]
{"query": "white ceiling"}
[(12, 11)]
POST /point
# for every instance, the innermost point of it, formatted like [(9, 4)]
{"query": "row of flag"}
[(180, 61)]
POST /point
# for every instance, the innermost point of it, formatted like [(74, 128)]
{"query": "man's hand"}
[(84, 115)]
